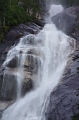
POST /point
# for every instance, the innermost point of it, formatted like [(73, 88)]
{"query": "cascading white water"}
[(54, 47), (54, 9)]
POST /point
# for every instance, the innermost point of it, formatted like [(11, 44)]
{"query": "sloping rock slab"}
[(64, 99)]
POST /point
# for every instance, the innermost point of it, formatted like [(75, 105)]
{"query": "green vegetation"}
[(13, 12), (1, 37), (75, 117)]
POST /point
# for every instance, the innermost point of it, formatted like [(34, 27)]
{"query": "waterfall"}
[(53, 48)]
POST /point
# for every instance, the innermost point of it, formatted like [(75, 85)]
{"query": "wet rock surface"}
[(31, 64), (8, 72), (9, 87), (8, 79), (13, 62), (27, 86), (14, 35), (64, 99), (8, 76)]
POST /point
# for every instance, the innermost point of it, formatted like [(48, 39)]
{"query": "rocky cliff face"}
[(64, 99), (8, 83)]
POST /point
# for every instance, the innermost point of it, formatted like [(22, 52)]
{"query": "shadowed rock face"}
[(9, 87), (68, 21)]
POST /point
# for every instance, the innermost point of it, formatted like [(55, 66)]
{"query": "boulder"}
[(67, 20), (11, 35)]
